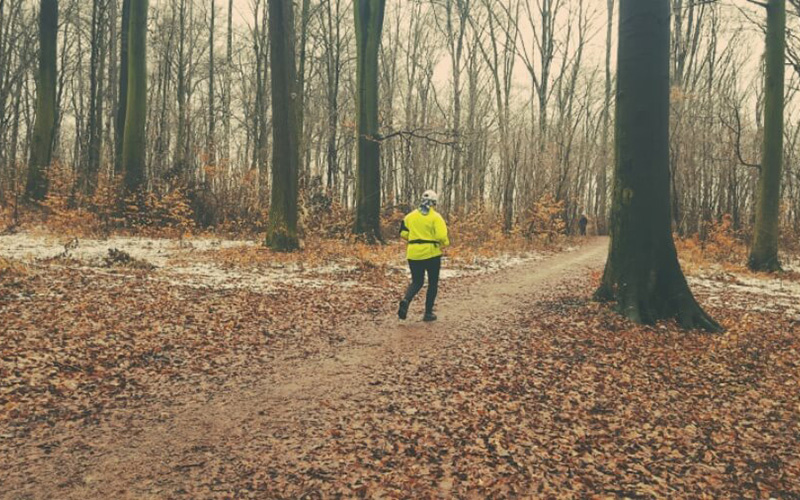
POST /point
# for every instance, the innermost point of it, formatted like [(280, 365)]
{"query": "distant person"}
[(426, 233), (582, 223)]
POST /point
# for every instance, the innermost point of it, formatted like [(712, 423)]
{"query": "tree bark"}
[(301, 86), (210, 135), (601, 216), (44, 126), (182, 85), (369, 23), (282, 225), (642, 273), (134, 141), (764, 250), (122, 98), (228, 84), (333, 70), (96, 79)]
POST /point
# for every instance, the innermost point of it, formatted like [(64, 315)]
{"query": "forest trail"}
[(287, 416)]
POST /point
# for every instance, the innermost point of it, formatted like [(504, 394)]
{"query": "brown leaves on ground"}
[(12, 268), (565, 400), (77, 341), (561, 398)]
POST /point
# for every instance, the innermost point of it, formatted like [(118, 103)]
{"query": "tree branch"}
[(418, 133), (738, 133)]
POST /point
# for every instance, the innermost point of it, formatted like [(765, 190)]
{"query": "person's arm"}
[(441, 232), (403, 230)]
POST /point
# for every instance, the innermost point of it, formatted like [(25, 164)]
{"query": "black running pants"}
[(418, 270)]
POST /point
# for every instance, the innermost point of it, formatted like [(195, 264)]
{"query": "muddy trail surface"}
[(275, 433)]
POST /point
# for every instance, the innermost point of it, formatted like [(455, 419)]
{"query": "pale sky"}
[(595, 50), (594, 54)]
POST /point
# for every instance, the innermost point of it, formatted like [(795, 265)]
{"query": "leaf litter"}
[(551, 396)]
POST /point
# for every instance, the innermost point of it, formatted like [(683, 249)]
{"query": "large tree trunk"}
[(44, 126), (642, 273), (764, 251), (282, 225), (122, 98), (134, 141), (369, 23)]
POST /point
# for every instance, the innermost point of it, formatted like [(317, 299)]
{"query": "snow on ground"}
[(31, 246), (173, 260), (176, 264), (754, 292), (478, 267)]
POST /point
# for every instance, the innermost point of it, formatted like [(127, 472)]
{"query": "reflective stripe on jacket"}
[(426, 234)]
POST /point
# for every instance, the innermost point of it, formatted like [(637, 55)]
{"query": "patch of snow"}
[(177, 265), (757, 293), (157, 251), (478, 267)]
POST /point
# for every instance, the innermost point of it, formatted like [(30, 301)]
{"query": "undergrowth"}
[(171, 211), (725, 248)]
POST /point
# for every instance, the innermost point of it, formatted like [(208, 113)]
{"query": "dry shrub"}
[(8, 217), (480, 234), (318, 252), (724, 245), (322, 216), (104, 202), (244, 225), (169, 214), (545, 220), (476, 229), (790, 239), (64, 211), (391, 220)]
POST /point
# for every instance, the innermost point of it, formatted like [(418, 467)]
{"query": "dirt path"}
[(286, 416)]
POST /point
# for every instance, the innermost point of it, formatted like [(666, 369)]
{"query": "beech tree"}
[(45, 124), (369, 24), (282, 225), (122, 104), (764, 250), (642, 273), (134, 146)]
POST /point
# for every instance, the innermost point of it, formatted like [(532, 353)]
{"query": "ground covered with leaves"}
[(193, 378)]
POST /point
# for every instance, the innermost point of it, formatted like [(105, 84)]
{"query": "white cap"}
[(430, 195)]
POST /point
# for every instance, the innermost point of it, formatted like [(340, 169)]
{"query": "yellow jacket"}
[(430, 228)]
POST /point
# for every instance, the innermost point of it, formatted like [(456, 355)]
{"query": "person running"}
[(426, 233), (582, 223)]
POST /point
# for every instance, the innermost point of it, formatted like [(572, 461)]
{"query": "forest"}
[(209, 210)]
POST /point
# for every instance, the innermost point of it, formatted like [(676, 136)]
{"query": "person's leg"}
[(417, 280), (433, 266)]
